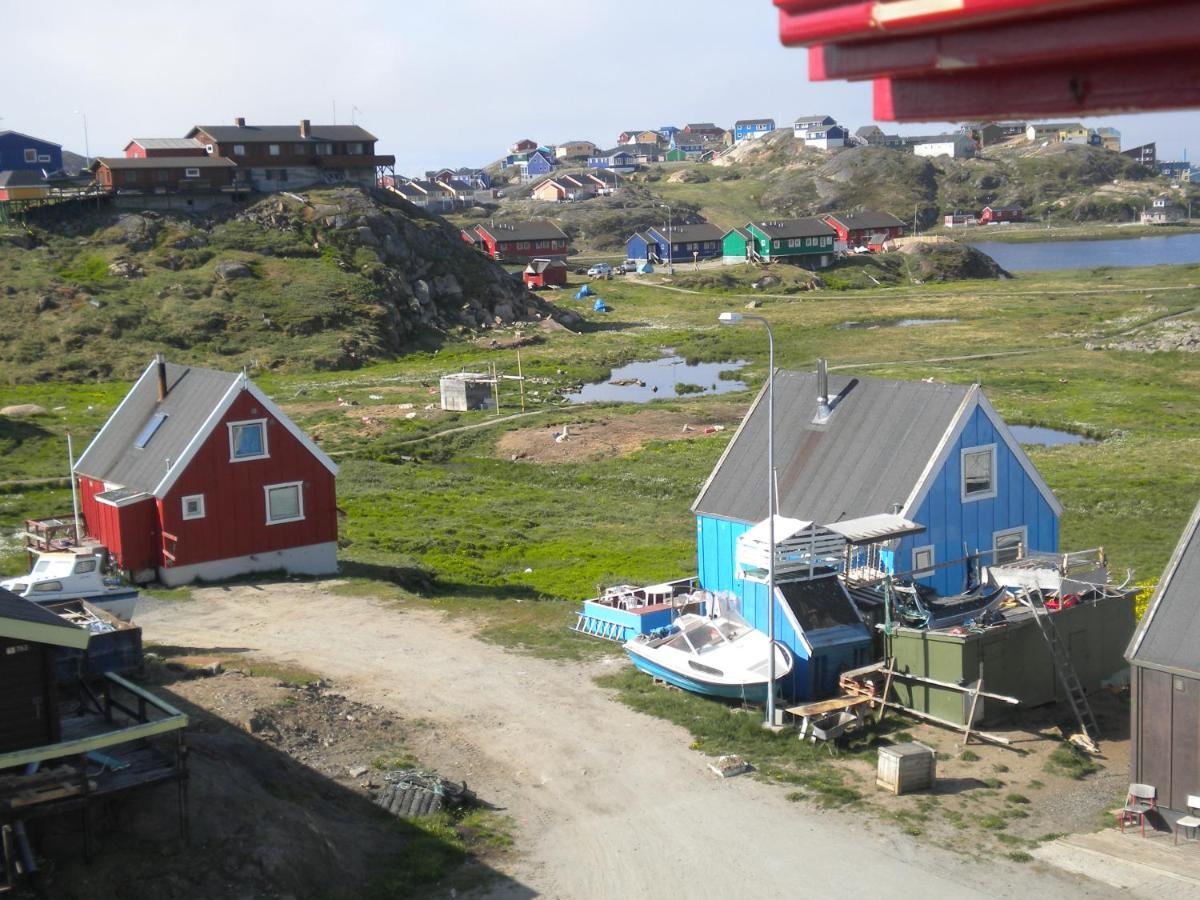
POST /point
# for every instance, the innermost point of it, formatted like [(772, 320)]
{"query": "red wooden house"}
[(1001, 214), (545, 272), (868, 228), (519, 241), (143, 148), (198, 475)]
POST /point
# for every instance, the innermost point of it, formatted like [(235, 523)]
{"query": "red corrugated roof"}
[(953, 59)]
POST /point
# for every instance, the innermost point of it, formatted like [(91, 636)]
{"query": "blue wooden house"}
[(617, 160), (21, 152), (849, 448), (751, 128), (685, 242), (538, 164)]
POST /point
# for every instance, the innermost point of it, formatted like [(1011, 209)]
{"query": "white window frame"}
[(962, 473), (239, 149), (272, 149), (1021, 531), (191, 172), (299, 486), (30, 154), (198, 514), (232, 426), (919, 571), (43, 157)]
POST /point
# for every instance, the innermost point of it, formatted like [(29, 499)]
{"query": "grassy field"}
[(475, 529)]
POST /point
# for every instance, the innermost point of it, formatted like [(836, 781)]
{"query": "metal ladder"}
[(1067, 677)]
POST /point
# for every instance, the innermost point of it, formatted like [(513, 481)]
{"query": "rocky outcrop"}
[(427, 275)]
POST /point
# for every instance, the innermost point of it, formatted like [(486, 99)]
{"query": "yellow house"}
[(569, 149)]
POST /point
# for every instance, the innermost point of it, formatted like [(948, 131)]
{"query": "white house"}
[(954, 145)]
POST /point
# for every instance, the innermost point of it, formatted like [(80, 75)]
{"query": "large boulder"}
[(231, 270)]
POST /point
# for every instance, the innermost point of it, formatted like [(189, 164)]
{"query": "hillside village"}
[(469, 532)]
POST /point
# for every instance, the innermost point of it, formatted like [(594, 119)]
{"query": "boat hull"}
[(750, 692), (116, 603)]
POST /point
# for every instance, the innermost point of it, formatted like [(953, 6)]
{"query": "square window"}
[(979, 473), (30, 156), (191, 173), (272, 149), (239, 149), (923, 560), (1009, 545), (285, 502), (193, 507), (248, 440)]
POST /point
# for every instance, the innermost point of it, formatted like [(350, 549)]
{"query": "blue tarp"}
[(601, 306), (644, 267), (584, 291)]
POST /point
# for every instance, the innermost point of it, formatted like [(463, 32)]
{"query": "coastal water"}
[(1179, 249)]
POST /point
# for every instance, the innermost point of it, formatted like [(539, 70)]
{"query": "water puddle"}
[(913, 323), (901, 323), (661, 379), (1032, 435)]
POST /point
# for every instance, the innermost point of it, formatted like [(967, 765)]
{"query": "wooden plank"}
[(1150, 27), (993, 738), (887, 686), (1013, 701), (156, 702), (819, 707), (1086, 88)]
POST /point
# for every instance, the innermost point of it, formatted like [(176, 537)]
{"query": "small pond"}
[(1033, 435), (656, 380), (1179, 249), (899, 323)]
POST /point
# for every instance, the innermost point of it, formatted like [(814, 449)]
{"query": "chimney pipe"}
[(305, 128), (160, 366), (240, 122), (823, 410)]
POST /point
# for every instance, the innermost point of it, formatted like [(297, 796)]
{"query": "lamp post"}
[(87, 150), (670, 241), (734, 318)]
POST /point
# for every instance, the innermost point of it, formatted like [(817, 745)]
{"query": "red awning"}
[(990, 59)]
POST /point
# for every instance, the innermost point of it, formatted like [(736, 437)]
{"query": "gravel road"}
[(608, 803)]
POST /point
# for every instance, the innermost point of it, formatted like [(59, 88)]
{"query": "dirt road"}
[(608, 802)]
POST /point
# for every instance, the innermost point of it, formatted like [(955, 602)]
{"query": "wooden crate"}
[(905, 768)]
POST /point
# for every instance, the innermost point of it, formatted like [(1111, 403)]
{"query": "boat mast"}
[(74, 496)]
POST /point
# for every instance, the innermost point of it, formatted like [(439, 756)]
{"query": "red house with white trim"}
[(867, 228), (199, 475), (518, 241), (1001, 214)]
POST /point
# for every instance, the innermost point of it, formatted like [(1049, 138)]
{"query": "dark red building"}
[(199, 475), (518, 241), (868, 228), (1001, 214), (164, 173)]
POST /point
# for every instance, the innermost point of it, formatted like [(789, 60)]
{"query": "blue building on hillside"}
[(855, 449), (21, 152), (617, 160), (751, 128), (686, 242), (539, 163)]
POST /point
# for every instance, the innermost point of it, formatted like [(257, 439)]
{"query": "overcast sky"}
[(447, 83)]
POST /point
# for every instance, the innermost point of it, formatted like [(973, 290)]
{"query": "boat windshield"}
[(52, 567), (697, 637), (731, 630)]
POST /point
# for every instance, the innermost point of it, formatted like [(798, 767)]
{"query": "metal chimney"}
[(823, 409), (240, 122), (160, 367), (305, 128)]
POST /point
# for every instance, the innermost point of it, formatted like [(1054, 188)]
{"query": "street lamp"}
[(734, 318), (87, 150), (670, 241)]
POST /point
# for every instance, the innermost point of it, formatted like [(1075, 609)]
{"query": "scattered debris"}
[(410, 793), (729, 766)]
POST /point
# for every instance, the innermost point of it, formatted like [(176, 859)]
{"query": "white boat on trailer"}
[(717, 655), (75, 574)]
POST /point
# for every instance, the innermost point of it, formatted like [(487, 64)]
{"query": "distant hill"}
[(346, 278), (73, 163)]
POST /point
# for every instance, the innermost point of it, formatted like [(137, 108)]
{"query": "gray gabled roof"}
[(29, 137), (163, 162), (700, 231), (869, 455), (781, 229), (538, 230), (167, 143), (254, 134), (1168, 637), (192, 395), (867, 218), (24, 620), (753, 122), (21, 178)]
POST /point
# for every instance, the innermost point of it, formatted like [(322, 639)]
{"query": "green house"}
[(807, 241)]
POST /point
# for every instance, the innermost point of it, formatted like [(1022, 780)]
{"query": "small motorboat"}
[(719, 655), (75, 575)]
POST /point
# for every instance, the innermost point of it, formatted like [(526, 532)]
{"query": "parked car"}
[(600, 270), (630, 265)]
